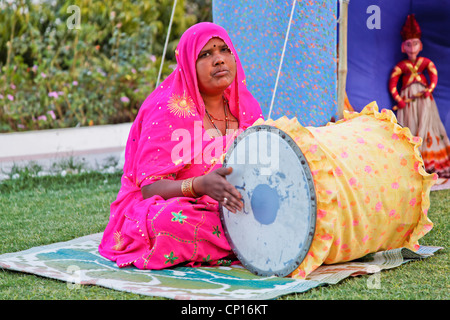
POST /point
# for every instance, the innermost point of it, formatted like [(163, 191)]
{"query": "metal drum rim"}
[(313, 205)]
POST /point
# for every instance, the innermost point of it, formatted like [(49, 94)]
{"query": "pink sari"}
[(167, 141)]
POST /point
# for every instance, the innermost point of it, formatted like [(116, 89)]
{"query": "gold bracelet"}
[(187, 188), (194, 194)]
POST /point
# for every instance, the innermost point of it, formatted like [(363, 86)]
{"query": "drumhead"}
[(275, 229)]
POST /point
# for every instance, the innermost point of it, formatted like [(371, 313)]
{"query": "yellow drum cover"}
[(371, 187)]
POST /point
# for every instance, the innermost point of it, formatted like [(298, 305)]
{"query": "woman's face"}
[(216, 67)]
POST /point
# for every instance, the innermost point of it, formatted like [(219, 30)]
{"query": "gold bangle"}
[(194, 194), (187, 188)]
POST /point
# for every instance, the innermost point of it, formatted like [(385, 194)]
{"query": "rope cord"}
[(167, 41)]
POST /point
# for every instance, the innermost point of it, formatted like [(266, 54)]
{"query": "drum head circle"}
[(273, 233)]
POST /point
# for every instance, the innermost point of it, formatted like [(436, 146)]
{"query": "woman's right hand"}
[(215, 185)]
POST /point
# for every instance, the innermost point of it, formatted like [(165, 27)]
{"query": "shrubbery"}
[(55, 77)]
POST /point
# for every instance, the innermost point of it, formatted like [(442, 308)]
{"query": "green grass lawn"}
[(36, 211)]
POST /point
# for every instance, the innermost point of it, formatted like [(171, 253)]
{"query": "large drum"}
[(273, 232), (324, 195)]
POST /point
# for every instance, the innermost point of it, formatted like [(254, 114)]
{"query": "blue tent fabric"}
[(373, 52), (307, 86), (307, 83)]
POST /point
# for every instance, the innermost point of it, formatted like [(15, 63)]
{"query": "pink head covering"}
[(175, 107), (189, 47)]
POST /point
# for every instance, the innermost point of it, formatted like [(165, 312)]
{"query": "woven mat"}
[(444, 184), (78, 263)]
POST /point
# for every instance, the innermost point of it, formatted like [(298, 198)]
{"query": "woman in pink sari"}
[(167, 210)]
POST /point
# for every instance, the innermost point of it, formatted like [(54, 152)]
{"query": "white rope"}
[(167, 41), (282, 58)]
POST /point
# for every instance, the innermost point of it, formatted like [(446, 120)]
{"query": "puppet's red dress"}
[(421, 115)]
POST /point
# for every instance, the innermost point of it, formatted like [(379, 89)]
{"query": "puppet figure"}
[(416, 107)]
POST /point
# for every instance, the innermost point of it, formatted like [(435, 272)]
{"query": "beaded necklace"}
[(211, 118)]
